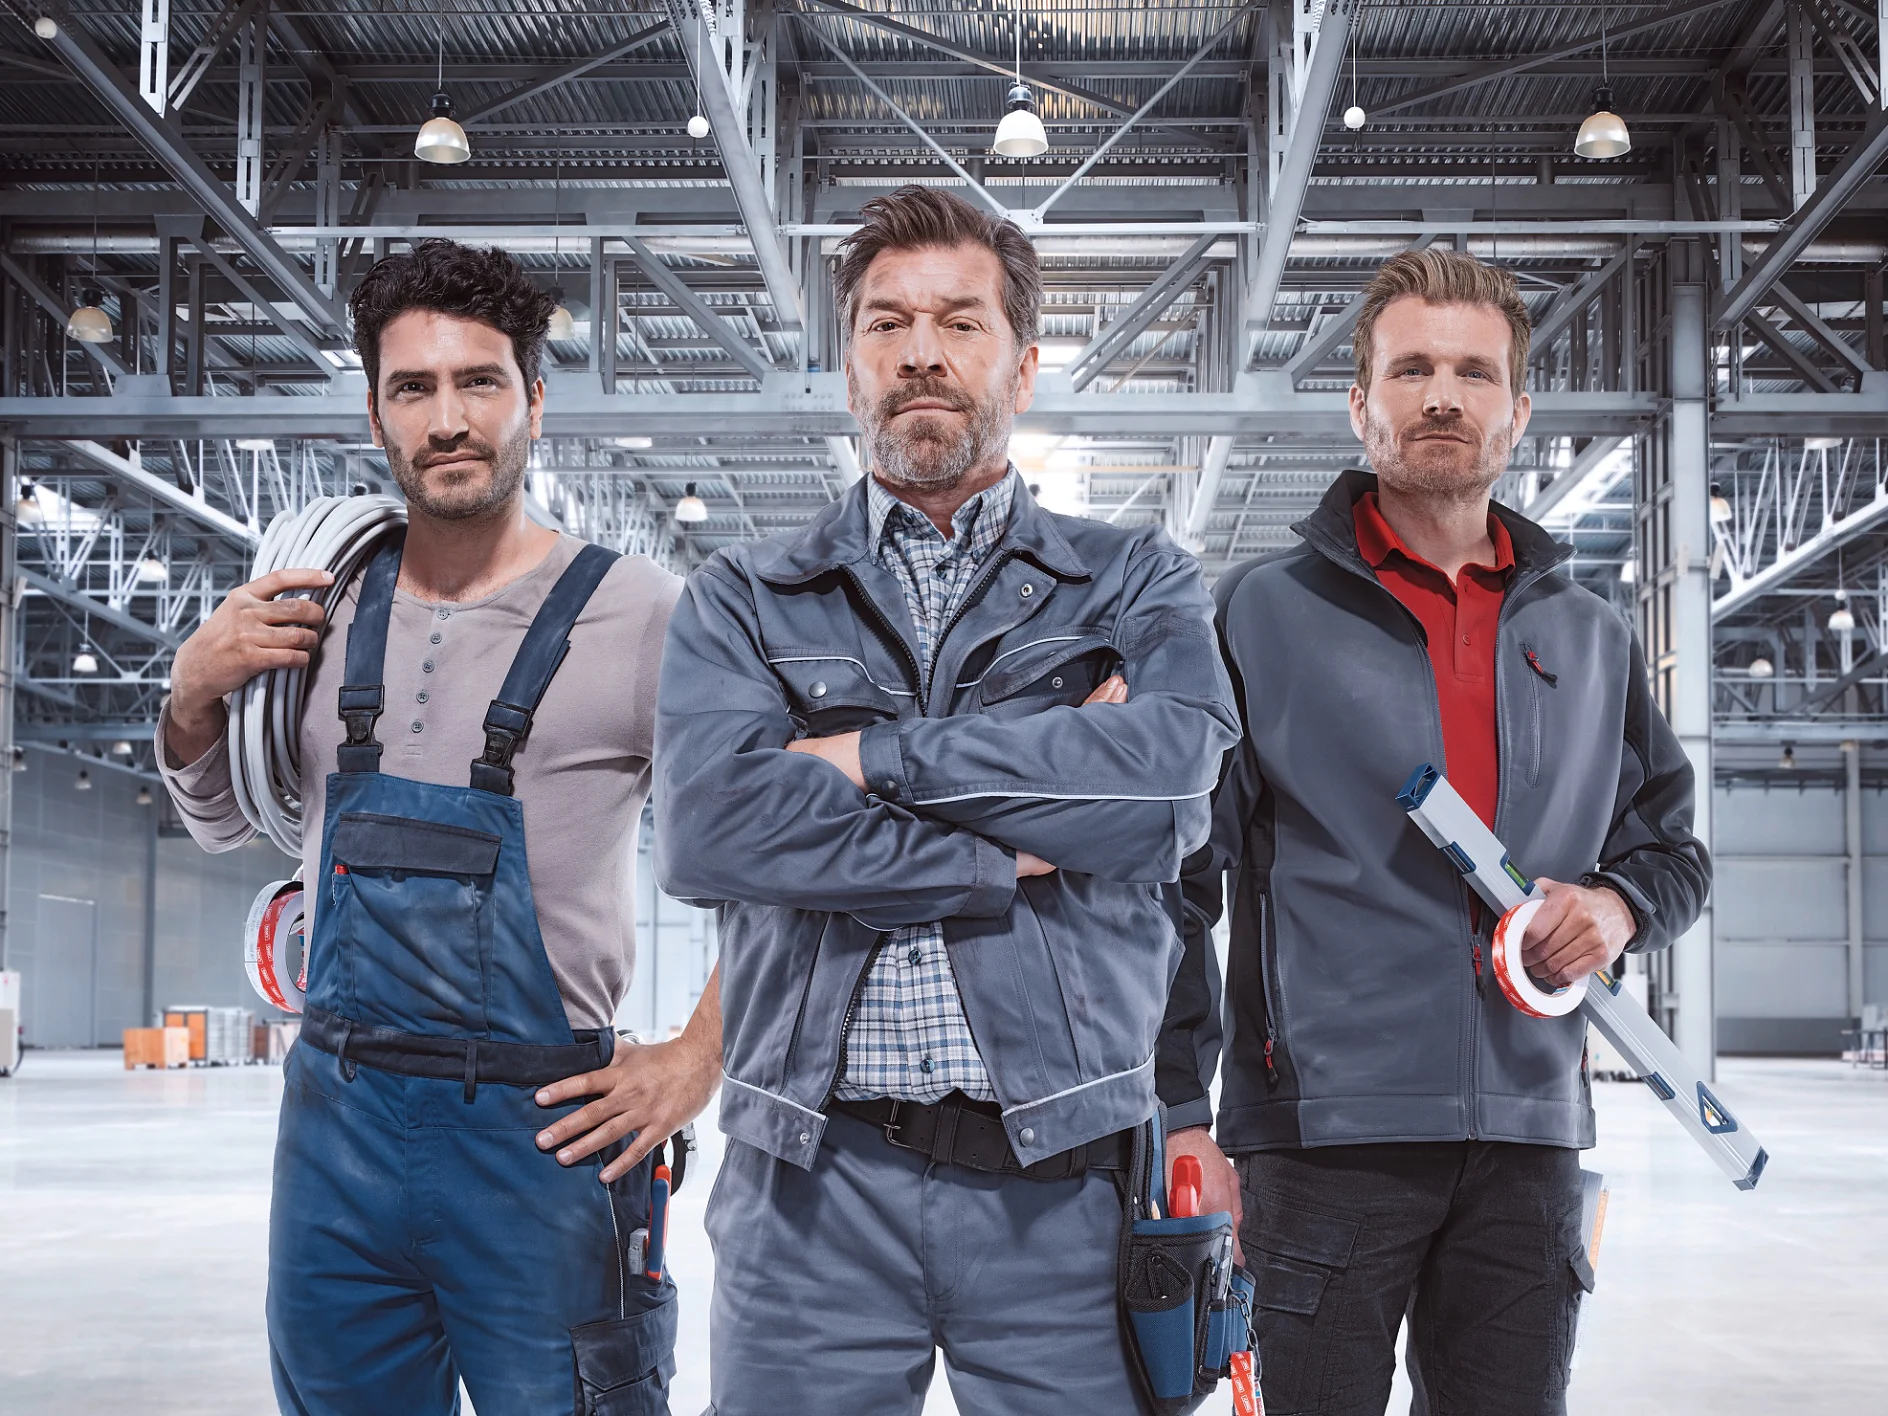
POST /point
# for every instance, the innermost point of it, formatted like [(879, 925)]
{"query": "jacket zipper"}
[(1534, 663), (845, 1023), (1271, 988), (1000, 559), (891, 633)]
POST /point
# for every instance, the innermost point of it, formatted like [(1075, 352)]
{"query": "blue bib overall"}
[(417, 1234)]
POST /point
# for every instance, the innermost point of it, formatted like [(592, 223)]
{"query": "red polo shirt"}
[(1459, 621)]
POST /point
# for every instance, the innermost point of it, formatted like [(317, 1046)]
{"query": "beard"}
[(1442, 470), (465, 497), (929, 452)]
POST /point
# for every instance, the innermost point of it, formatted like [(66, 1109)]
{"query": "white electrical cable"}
[(335, 534), (1522, 988)]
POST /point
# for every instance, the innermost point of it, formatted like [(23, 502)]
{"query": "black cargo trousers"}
[(1477, 1241)]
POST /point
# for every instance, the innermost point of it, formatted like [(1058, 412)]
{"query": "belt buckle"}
[(891, 1126)]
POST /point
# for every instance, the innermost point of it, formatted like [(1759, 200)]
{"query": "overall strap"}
[(363, 690), (508, 720)]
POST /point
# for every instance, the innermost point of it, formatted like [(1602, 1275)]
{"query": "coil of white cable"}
[(335, 534)]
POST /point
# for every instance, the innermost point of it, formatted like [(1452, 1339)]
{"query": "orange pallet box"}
[(196, 1018)]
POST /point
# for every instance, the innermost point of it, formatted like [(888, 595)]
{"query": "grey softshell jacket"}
[(1064, 977), (1353, 1011)]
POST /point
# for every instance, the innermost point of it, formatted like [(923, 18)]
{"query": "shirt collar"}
[(1377, 539), (987, 512)]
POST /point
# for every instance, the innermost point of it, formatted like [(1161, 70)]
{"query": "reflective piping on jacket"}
[(773, 1096), (1079, 1087), (1057, 796), (845, 659), (991, 668)]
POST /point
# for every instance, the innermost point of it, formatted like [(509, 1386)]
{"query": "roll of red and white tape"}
[(274, 920), (1525, 991)]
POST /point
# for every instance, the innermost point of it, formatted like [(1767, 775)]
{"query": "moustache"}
[(457, 453), (900, 399)]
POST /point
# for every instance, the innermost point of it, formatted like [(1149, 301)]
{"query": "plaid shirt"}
[(909, 1038)]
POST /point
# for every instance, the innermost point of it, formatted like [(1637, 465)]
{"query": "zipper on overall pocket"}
[(1268, 979)]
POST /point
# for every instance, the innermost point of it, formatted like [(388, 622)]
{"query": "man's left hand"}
[(654, 1090), (841, 750), (1576, 931)]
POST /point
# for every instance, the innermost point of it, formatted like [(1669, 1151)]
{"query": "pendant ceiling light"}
[(441, 139), (1604, 133), (1354, 116), (89, 324), (46, 27), (84, 783), (698, 124), (85, 662), (152, 571), (691, 510), (1721, 513), (562, 325), (144, 796), (1762, 668), (1020, 134), (1842, 619)]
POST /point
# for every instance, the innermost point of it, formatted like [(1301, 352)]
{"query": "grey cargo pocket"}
[(623, 1365), (1298, 1253), (1287, 1287)]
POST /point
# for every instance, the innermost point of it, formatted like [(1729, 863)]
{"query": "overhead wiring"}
[(335, 534)]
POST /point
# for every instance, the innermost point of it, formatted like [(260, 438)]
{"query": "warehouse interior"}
[(190, 188)]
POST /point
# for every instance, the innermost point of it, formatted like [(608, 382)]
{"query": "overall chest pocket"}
[(834, 695), (1047, 673), (413, 897)]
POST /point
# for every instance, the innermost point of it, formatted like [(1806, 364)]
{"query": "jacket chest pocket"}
[(422, 884), (1048, 673), (835, 695)]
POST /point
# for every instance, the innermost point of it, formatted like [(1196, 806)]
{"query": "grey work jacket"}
[(1064, 977), (1353, 1008)]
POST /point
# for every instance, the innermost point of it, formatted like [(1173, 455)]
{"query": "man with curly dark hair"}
[(458, 1092)]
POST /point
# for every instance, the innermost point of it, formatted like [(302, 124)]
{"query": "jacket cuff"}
[(1641, 908), (883, 765), (1188, 1114), (991, 896)]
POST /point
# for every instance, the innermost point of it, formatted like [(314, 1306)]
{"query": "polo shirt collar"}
[(1377, 539)]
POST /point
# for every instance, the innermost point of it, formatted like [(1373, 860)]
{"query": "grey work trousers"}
[(835, 1288)]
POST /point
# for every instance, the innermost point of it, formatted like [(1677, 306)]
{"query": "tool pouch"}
[(1186, 1307)]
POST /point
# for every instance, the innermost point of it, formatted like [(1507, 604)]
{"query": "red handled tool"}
[(1183, 1196), (656, 1253)]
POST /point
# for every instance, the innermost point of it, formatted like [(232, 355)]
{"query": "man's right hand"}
[(250, 633), (1221, 1181)]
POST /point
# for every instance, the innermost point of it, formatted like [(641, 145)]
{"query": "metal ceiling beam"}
[(1766, 269), (55, 307), (1318, 347), (1506, 68), (167, 144), (1301, 155), (1585, 463), (1812, 324), (728, 124), (1794, 561), (698, 310), (556, 78), (1798, 361), (69, 594), (167, 494), (191, 229), (1100, 351), (1033, 75), (1212, 473), (183, 83), (1561, 315)]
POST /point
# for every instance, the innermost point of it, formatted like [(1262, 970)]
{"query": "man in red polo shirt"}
[(1403, 1140)]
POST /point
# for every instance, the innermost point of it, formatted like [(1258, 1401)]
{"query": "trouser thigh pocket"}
[(623, 1365)]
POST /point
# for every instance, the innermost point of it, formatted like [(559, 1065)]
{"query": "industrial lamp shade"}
[(698, 126), (1762, 668), (85, 662), (1841, 620), (1604, 133), (562, 325), (1020, 133), (691, 510), (89, 324), (441, 139)]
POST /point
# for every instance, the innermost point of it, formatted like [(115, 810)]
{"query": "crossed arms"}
[(1114, 788)]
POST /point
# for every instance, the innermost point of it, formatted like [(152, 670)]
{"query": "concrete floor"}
[(133, 1208)]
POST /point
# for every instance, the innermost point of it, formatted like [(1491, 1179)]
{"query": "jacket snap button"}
[(1027, 1135), (819, 690), (891, 789), (805, 1139), (1055, 683), (1027, 591)]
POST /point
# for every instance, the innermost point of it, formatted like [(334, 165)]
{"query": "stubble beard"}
[(465, 500), (1453, 472), (927, 453)]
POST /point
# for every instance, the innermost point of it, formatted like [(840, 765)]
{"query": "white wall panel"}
[(1782, 979)]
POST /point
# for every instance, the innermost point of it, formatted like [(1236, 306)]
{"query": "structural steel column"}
[(1673, 546), (9, 567), (1852, 823)]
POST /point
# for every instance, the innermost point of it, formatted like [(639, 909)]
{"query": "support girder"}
[(166, 142), (55, 307), (698, 310), (77, 599)]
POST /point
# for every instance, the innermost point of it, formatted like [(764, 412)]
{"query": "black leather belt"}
[(970, 1133), (468, 1059)]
